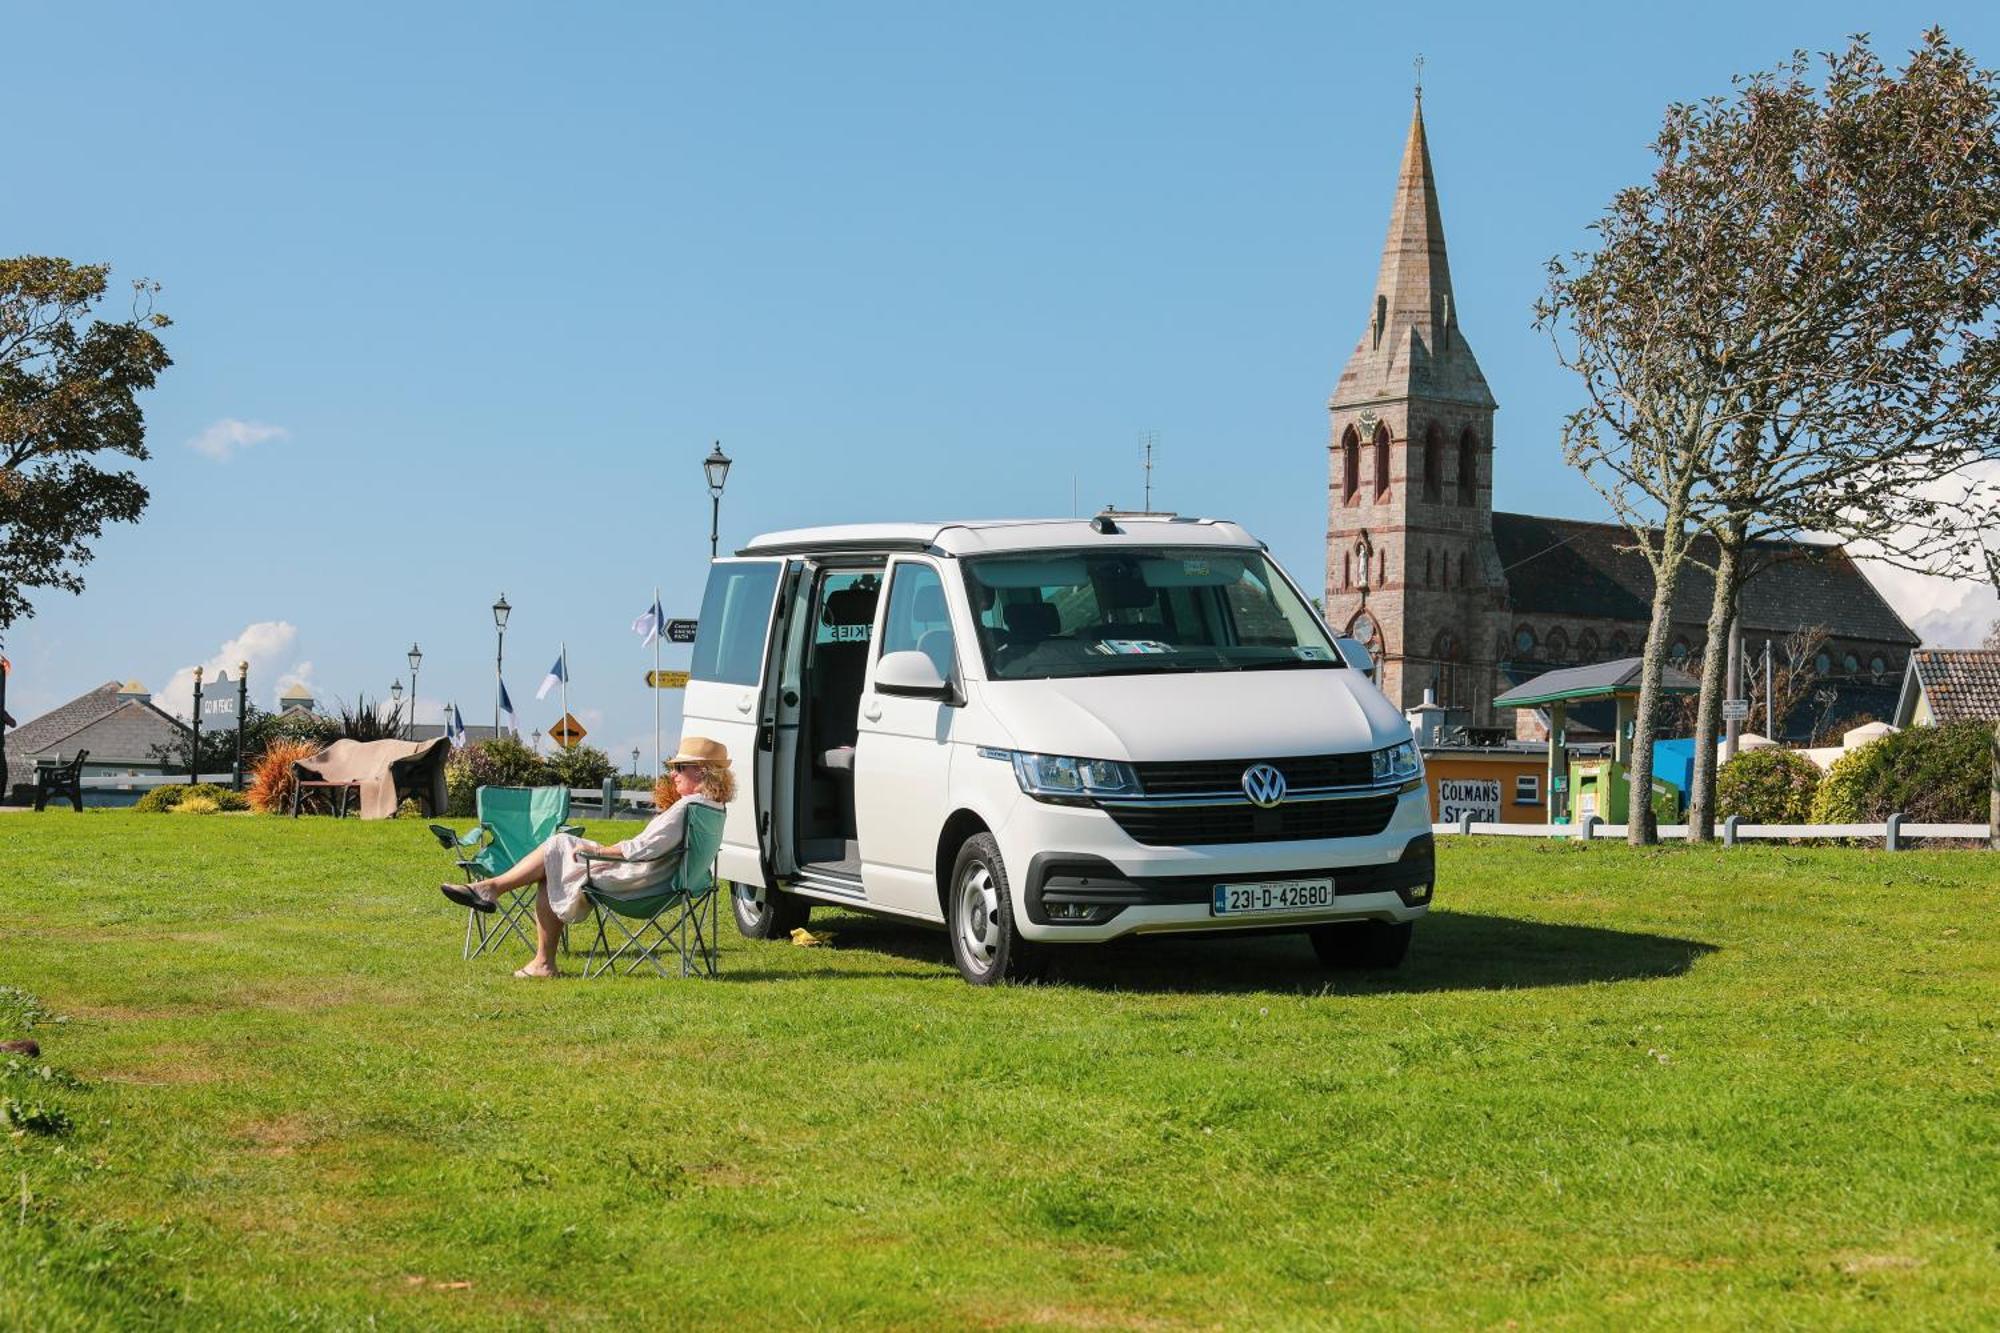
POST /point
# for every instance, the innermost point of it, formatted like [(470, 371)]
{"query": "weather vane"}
[(1419, 63)]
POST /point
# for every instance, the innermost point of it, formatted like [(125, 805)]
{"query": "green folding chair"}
[(513, 821), (680, 915)]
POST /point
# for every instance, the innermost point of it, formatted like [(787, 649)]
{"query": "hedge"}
[(1932, 775), (1771, 786)]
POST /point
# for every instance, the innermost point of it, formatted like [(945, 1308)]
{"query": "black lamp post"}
[(635, 761), (396, 698), (716, 467), (416, 660), (500, 610), (194, 754), (242, 715)]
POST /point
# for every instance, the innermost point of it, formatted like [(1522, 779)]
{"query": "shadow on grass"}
[(1452, 951)]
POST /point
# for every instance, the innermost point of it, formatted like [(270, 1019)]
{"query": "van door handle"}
[(745, 704), (872, 711)]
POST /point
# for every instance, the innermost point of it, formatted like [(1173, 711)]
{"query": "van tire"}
[(1353, 945), (979, 916), (767, 914)]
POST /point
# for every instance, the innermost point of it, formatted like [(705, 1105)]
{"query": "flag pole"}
[(658, 631), (565, 688)]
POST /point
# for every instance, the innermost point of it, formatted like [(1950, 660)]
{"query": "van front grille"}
[(1302, 772), (1240, 821)]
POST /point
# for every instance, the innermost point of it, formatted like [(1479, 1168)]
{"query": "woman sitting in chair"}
[(632, 868)]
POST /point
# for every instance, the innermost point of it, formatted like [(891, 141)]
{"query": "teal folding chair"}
[(681, 914), (513, 821)]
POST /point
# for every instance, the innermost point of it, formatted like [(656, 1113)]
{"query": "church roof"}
[(1563, 566), (1412, 344)]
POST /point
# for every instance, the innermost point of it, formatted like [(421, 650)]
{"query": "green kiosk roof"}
[(1601, 680)]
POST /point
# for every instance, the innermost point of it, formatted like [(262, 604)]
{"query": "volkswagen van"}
[(1041, 734)]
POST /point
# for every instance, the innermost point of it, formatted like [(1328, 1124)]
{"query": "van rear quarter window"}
[(735, 615)]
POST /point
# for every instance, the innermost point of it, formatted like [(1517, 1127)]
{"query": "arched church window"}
[(1350, 464), (1382, 569), (1876, 666), (1347, 569), (1679, 653), (1524, 641), (1850, 664), (1822, 664), (1433, 463), (1468, 467), (1558, 645), (1620, 645), (1586, 646), (1382, 459), (1444, 654)]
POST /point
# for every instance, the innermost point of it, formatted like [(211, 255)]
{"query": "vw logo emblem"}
[(1264, 785)]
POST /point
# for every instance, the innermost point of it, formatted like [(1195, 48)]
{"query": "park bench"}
[(60, 781)]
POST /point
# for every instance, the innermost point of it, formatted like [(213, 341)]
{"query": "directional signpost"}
[(681, 631), (667, 680), (567, 732)]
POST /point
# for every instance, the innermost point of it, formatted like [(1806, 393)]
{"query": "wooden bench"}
[(60, 781)]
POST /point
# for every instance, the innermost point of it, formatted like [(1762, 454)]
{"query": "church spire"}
[(1412, 343)]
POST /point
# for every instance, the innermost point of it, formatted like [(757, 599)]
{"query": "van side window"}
[(735, 618), (917, 618)]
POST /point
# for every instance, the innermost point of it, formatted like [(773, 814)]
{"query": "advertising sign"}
[(1478, 797)]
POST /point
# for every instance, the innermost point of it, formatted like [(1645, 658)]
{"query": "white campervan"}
[(1051, 732)]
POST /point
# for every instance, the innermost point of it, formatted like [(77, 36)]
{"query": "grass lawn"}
[(1673, 1087)]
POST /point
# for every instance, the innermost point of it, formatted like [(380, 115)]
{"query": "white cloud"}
[(1945, 612), (268, 647), (223, 439)]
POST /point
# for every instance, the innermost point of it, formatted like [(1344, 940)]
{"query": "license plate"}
[(1271, 895)]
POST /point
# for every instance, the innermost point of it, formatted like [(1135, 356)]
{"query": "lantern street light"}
[(538, 740), (396, 696), (716, 468), (635, 761), (416, 660), (500, 610)]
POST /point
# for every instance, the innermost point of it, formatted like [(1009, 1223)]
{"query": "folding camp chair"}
[(513, 821), (680, 914)]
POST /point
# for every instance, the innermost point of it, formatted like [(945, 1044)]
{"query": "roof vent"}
[(1103, 523)]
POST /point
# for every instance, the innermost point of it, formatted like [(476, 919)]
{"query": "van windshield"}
[(1140, 611)]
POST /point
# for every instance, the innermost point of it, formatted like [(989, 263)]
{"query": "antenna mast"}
[(1149, 439)]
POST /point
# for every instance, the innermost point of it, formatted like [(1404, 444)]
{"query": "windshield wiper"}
[(1286, 664)]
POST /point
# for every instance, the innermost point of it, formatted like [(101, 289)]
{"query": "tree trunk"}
[(1714, 663), (1640, 828), (1993, 802)]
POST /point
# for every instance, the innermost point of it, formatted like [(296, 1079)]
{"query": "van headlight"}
[(1070, 781), (1398, 763)]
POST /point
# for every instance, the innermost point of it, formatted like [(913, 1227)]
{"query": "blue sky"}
[(462, 296)]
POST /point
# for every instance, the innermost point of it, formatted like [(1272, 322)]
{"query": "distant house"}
[(297, 699), (117, 724), (430, 731), (1946, 685)]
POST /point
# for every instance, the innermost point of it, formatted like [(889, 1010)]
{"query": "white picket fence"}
[(1895, 833)]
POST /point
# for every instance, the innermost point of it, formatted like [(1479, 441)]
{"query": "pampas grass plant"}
[(271, 781)]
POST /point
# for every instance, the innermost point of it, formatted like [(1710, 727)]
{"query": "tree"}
[(1859, 370), (1992, 641), (1787, 329)]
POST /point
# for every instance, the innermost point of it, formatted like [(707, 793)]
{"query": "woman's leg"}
[(548, 933), (526, 871)]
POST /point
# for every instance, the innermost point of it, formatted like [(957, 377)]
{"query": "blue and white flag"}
[(648, 626), (507, 717), (454, 728), (558, 675)]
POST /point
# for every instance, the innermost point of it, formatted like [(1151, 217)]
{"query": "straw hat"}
[(701, 750)]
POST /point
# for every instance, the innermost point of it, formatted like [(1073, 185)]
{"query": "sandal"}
[(523, 973), (463, 895)]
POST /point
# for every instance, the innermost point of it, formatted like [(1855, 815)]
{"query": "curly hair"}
[(717, 784)]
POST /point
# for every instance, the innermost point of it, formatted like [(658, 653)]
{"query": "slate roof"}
[(1563, 566), (48, 733), (1962, 684)]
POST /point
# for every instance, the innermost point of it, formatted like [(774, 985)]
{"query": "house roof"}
[(1961, 684), (1599, 680), (1563, 566), (47, 733)]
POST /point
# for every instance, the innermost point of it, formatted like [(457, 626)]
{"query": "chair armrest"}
[(451, 840), (574, 830)]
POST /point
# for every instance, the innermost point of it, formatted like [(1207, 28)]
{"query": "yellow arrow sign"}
[(667, 680)]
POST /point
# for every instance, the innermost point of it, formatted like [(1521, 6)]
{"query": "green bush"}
[(1933, 775), (1767, 787), (503, 762), (161, 800), (584, 766)]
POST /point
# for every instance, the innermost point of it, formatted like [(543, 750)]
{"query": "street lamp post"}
[(194, 754), (416, 660), (500, 610), (716, 467), (538, 740), (396, 699), (635, 761), (242, 715)]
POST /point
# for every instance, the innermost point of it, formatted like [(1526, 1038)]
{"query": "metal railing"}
[(1894, 833)]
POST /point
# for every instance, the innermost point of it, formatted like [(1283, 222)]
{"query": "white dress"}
[(564, 869)]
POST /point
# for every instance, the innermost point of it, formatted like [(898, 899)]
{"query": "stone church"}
[(1453, 597)]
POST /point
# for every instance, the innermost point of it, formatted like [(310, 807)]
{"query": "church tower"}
[(1411, 568)]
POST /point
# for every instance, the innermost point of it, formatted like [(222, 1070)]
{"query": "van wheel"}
[(1362, 944), (767, 914), (984, 941)]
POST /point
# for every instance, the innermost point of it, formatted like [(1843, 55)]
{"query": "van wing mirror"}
[(910, 672), (1355, 654)]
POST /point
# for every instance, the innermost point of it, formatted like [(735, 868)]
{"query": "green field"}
[(1610, 1087)]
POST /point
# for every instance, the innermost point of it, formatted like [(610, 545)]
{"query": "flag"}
[(648, 626), (558, 675), (507, 712), (454, 728)]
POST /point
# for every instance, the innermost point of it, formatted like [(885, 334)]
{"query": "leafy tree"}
[(581, 766), (1789, 329)]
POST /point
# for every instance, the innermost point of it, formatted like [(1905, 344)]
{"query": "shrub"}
[(503, 762), (1933, 775), (1767, 787), (271, 780), (197, 805), (583, 766), (176, 795)]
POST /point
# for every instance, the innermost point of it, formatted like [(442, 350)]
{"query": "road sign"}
[(681, 631), (567, 732), (667, 680), (1735, 710)]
